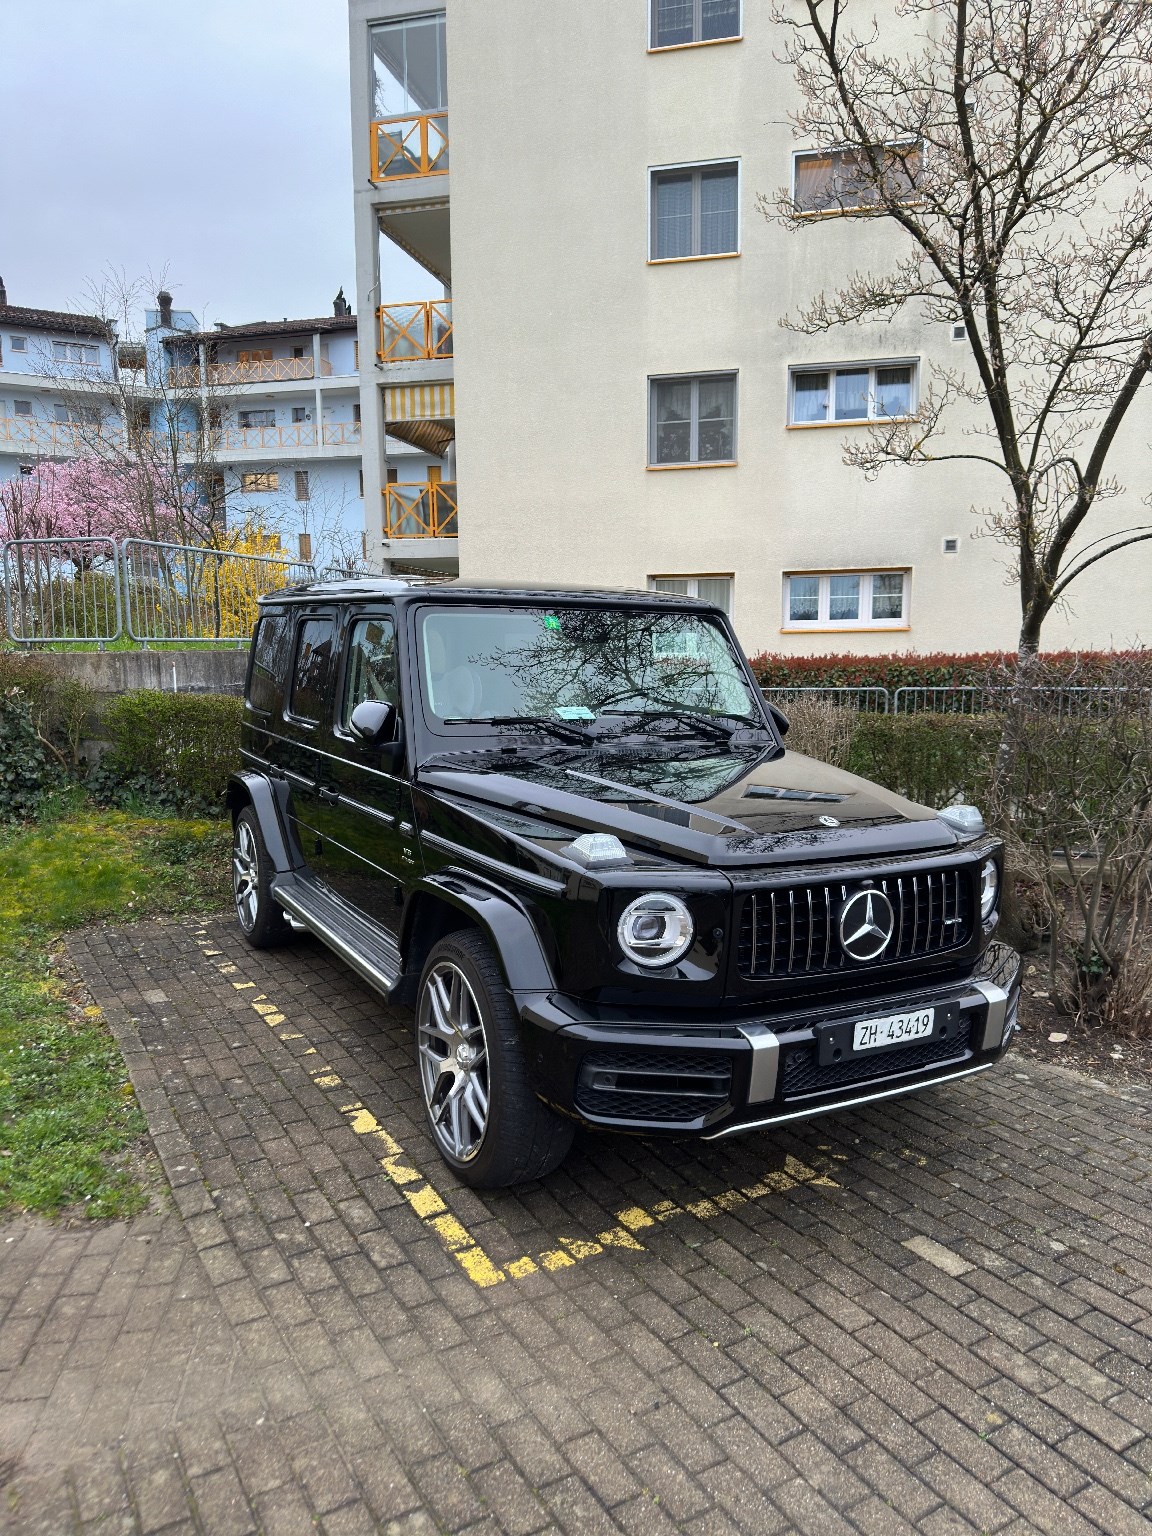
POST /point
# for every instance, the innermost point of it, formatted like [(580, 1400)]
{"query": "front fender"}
[(506, 924)]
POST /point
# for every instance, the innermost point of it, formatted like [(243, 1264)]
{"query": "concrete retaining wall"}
[(112, 672)]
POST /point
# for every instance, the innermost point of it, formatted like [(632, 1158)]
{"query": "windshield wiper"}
[(561, 729), (708, 725)]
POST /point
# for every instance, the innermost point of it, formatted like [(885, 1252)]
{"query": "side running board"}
[(359, 942)]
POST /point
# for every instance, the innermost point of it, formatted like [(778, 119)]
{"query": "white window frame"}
[(850, 208), (696, 42), (823, 623), (255, 410), (693, 584), (832, 369), (19, 343), (694, 166), (694, 426), (89, 353)]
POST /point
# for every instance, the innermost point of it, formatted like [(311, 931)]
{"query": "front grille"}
[(801, 1074), (652, 1085), (794, 931)]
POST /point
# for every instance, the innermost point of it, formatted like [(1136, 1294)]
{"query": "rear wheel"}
[(261, 920), (488, 1125)]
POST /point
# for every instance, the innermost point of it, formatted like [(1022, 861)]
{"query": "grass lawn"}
[(68, 1117)]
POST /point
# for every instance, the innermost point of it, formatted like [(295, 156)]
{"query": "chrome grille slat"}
[(933, 912)]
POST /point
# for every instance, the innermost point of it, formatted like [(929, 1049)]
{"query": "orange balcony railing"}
[(409, 146), (420, 510), (410, 331), (30, 434), (337, 433), (269, 370)]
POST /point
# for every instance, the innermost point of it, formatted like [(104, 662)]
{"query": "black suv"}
[(563, 826)]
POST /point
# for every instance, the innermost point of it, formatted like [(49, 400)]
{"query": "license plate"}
[(896, 1029)]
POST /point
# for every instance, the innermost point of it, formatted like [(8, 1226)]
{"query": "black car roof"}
[(365, 589)]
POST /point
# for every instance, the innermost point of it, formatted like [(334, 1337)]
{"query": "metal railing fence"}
[(61, 589), (1055, 701), (870, 701), (96, 591)]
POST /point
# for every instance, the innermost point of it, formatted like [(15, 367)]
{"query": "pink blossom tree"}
[(85, 498)]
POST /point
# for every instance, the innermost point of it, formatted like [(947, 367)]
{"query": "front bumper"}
[(713, 1079)]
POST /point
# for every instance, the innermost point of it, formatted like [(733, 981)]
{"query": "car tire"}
[(487, 1123), (261, 919)]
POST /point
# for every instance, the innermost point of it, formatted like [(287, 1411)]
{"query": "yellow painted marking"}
[(479, 1267), (425, 1202), (230, 970), (616, 1237), (430, 1208), (634, 1218), (211, 951), (556, 1260)]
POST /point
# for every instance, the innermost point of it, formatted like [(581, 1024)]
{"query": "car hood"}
[(711, 807)]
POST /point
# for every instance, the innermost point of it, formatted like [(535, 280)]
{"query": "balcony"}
[(403, 147), (30, 434), (420, 510), (409, 332), (333, 434), (274, 370)]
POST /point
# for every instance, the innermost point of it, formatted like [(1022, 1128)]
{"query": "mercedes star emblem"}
[(867, 923), (827, 821)]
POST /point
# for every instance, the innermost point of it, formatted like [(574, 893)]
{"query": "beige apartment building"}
[(605, 387)]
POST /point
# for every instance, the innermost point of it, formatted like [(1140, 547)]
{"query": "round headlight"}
[(989, 888), (655, 930)]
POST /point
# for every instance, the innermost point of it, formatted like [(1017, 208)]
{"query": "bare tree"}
[(156, 424), (1009, 145)]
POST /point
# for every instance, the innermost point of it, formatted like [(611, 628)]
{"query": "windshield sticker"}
[(575, 712)]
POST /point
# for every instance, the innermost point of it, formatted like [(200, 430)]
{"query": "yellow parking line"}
[(429, 1206)]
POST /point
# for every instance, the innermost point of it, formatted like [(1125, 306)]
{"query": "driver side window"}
[(371, 670)]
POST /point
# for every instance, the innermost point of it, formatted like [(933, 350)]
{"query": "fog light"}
[(655, 930), (989, 888)]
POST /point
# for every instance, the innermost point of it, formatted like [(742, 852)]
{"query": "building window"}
[(409, 73), (256, 418), (837, 180), (678, 22), (75, 352), (693, 420), (299, 413), (255, 355), (361, 474), (22, 407), (19, 343), (857, 392), (846, 599), (297, 351), (710, 589), (304, 543), (27, 469), (694, 211), (302, 485), (356, 413), (259, 480)]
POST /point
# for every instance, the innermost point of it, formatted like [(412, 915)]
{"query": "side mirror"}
[(373, 722), (779, 719)]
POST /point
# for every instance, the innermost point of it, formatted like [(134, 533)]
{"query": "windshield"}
[(579, 664)]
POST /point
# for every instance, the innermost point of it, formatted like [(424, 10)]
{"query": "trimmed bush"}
[(27, 773), (929, 758), (938, 670), (174, 750)]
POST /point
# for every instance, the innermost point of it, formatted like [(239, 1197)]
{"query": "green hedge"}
[(929, 758), (59, 705), (27, 772), (172, 749)]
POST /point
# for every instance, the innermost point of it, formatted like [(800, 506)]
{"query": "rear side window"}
[(269, 663), (312, 672)]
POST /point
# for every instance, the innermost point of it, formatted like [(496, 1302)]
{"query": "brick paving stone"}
[(287, 1347)]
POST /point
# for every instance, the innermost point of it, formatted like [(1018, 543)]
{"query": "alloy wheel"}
[(245, 876), (453, 1061)]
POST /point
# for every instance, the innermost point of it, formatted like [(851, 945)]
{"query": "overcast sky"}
[(205, 141)]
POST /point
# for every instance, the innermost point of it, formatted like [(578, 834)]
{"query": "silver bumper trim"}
[(997, 1010), (765, 1062), (831, 1109)]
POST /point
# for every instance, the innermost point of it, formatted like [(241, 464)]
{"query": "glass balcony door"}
[(408, 63)]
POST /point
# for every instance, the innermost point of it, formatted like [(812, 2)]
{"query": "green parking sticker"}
[(551, 621)]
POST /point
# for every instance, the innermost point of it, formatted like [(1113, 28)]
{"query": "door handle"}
[(332, 796)]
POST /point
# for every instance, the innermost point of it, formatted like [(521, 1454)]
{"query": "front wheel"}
[(488, 1125)]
